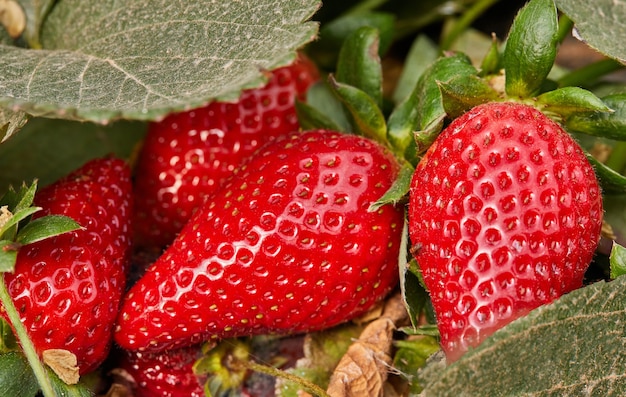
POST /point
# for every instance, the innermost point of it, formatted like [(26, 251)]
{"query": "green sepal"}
[(16, 376), (424, 138), (423, 109), (617, 260), (398, 190), (9, 229), (359, 63), (568, 101), (311, 118), (20, 199), (612, 182), (492, 61), (8, 255), (368, 119), (333, 34), (610, 125), (464, 92), (222, 378), (531, 48), (46, 227)]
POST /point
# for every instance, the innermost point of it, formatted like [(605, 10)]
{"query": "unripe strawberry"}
[(505, 213)]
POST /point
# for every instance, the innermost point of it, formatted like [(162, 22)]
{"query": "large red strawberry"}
[(288, 245), (189, 154), (505, 213), (163, 374), (67, 289)]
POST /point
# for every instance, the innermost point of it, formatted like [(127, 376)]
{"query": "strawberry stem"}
[(308, 386), (27, 345), (466, 19), (617, 158)]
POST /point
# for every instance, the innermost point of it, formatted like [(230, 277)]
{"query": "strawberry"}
[(189, 154), (163, 374), (287, 246), (67, 288), (505, 213)]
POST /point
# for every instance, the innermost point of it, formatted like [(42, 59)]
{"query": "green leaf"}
[(599, 23), (359, 63), (368, 119), (47, 149), (610, 125), (612, 182), (328, 109), (422, 54), (46, 227), (398, 190), (617, 260), (105, 59), (36, 12), (8, 342), (464, 92), (531, 48), (412, 354), (8, 256), (569, 101), (572, 347), (311, 118), (10, 123), (16, 377)]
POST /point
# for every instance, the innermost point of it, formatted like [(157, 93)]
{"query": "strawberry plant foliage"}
[(598, 23), (101, 60), (549, 352)]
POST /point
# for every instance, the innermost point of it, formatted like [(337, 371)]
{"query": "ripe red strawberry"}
[(67, 288), (504, 215), (188, 155), (164, 374), (287, 246)]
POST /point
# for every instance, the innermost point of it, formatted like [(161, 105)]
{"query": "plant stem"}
[(27, 345), (308, 386), (565, 27), (465, 21), (617, 158), (589, 73)]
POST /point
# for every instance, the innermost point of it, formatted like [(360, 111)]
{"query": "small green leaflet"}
[(105, 59), (600, 23), (617, 260), (45, 227), (572, 347)]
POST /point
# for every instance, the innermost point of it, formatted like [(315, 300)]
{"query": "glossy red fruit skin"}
[(190, 154), (505, 213), (287, 246), (164, 374), (67, 289)]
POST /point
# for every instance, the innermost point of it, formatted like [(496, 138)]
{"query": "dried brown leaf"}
[(63, 363), (363, 370)]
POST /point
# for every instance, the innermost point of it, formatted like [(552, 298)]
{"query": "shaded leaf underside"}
[(112, 59)]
